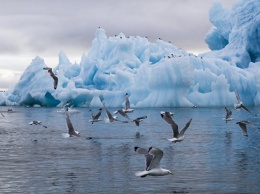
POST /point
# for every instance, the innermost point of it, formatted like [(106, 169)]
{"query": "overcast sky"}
[(30, 28)]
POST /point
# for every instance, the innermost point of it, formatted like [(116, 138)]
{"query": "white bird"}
[(153, 157), (54, 77), (37, 123), (177, 136), (109, 115), (228, 114), (240, 104), (95, 118), (242, 125), (71, 131), (139, 119)]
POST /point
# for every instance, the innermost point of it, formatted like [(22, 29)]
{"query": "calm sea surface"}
[(214, 157)]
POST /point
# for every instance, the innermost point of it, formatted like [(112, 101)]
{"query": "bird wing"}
[(243, 127), (143, 117), (123, 114), (109, 115), (91, 114), (69, 124), (167, 117), (2, 114), (246, 109), (157, 156), (127, 103), (237, 96), (148, 157), (98, 114), (137, 122), (185, 127), (228, 113)]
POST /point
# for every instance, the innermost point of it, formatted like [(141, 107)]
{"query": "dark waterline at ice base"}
[(214, 157)]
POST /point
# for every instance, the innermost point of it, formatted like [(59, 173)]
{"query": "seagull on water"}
[(242, 125), (54, 77), (95, 118), (239, 104), (153, 157), (37, 123), (138, 120), (109, 115), (177, 136)]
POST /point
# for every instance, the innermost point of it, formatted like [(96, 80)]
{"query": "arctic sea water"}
[(214, 157)]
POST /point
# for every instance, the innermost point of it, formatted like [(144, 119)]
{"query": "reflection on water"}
[(214, 157)]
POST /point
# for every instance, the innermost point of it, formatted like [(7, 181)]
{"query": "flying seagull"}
[(228, 114), (153, 157), (55, 78), (139, 119), (123, 113), (71, 131), (95, 118), (37, 123), (109, 115), (239, 104), (177, 137), (242, 125), (127, 104)]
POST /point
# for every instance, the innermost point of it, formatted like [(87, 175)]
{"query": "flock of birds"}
[(153, 155)]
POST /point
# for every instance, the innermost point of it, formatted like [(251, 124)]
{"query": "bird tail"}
[(141, 174)]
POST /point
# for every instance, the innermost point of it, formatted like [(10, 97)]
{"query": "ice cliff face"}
[(155, 74)]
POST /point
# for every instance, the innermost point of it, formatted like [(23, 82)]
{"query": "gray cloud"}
[(43, 28)]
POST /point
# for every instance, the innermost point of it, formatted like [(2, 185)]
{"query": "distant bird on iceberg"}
[(37, 123), (109, 115), (177, 136), (138, 120), (55, 78), (242, 125), (153, 157), (95, 118), (228, 114), (240, 104)]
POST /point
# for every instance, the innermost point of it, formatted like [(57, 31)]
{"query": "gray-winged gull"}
[(54, 77), (239, 104), (37, 123), (95, 118), (109, 115), (153, 157), (242, 125), (138, 120), (228, 114), (177, 136)]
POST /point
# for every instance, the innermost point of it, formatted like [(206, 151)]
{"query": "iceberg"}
[(155, 74)]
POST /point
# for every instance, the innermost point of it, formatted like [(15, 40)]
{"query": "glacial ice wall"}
[(155, 74)]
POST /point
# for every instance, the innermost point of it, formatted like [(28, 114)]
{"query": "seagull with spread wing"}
[(177, 136), (242, 125), (95, 118), (153, 157), (239, 104)]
